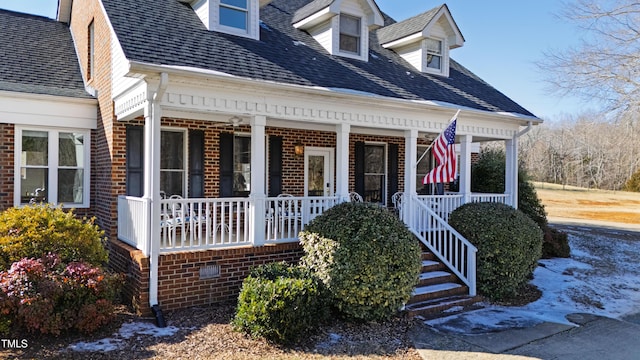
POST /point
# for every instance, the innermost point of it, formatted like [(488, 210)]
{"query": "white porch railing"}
[(442, 205), (498, 198), (132, 221), (199, 224), (456, 252), (286, 216)]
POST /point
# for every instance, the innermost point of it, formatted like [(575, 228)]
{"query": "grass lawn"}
[(571, 202)]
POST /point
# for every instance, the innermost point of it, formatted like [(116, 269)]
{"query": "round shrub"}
[(31, 231), (509, 245), (50, 297), (366, 257), (281, 303)]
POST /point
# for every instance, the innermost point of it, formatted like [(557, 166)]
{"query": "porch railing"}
[(132, 221), (442, 205), (198, 224), (499, 198), (286, 216), (456, 252)]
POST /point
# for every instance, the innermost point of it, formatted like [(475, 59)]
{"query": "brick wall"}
[(180, 285), (6, 165)]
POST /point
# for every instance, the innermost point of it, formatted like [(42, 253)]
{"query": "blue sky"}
[(503, 40)]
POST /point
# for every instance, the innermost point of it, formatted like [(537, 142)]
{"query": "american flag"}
[(444, 150)]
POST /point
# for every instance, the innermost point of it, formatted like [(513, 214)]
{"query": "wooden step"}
[(432, 265), (436, 277), (430, 292), (441, 307)]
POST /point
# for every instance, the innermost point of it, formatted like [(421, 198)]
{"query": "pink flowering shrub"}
[(44, 295)]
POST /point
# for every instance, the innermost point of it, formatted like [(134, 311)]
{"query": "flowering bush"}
[(45, 295)]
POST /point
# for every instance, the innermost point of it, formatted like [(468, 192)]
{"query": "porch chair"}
[(396, 200), (355, 197)]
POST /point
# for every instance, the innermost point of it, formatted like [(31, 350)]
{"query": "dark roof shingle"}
[(406, 27), (148, 33), (38, 56)]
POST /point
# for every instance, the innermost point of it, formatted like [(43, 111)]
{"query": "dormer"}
[(424, 41), (340, 26), (236, 17)]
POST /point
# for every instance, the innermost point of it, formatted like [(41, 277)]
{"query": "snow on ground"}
[(602, 277), (126, 331)]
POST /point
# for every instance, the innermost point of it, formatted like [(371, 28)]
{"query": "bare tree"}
[(606, 64)]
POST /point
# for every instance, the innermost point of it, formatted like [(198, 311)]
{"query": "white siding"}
[(202, 10), (324, 35), (412, 53), (119, 68)]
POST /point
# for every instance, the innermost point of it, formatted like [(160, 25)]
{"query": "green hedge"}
[(281, 303), (366, 257), (509, 246)]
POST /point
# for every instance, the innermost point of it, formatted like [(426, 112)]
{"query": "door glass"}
[(316, 175)]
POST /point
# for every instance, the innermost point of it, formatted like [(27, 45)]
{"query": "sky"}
[(503, 40)]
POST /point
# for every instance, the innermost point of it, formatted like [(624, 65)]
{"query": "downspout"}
[(154, 222), (526, 130)]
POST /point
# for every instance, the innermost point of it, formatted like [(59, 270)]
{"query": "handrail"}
[(456, 252)]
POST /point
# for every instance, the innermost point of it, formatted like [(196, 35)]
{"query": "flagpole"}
[(431, 145)]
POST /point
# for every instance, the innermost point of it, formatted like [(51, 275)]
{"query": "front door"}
[(318, 171)]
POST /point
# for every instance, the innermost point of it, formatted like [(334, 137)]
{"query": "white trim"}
[(185, 156), (53, 166), (44, 110)]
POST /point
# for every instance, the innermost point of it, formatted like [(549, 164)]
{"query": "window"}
[(434, 54), (374, 173), (241, 165), (234, 14), (52, 166), (91, 51), (172, 162), (349, 34)]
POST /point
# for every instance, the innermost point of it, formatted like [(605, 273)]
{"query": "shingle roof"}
[(310, 9), (37, 56), (148, 33), (406, 27)]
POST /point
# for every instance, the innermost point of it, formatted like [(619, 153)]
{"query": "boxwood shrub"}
[(366, 257), (509, 245), (281, 303), (32, 231)]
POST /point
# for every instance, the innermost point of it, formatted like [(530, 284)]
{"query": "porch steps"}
[(439, 292)]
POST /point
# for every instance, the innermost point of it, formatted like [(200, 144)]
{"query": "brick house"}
[(225, 126)]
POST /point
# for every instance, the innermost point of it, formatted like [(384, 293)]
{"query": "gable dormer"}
[(236, 17), (424, 40), (340, 26)]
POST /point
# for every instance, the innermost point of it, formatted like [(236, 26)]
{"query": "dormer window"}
[(341, 33), (235, 17), (434, 54), (425, 40), (234, 14), (350, 34)]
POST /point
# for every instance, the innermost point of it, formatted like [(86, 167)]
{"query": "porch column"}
[(410, 168), (465, 168), (258, 195), (342, 161), (511, 171)]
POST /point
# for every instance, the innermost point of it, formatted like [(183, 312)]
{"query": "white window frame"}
[(185, 158), (247, 181), (358, 36), (53, 164), (363, 39), (385, 161), (252, 30), (444, 57)]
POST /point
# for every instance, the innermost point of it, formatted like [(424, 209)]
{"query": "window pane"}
[(373, 188), (237, 3), (374, 159), (316, 176), (35, 148), (433, 61), (350, 44), (172, 150), (171, 182), (71, 148), (241, 165), (233, 18), (349, 25), (70, 185), (434, 46), (33, 185)]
